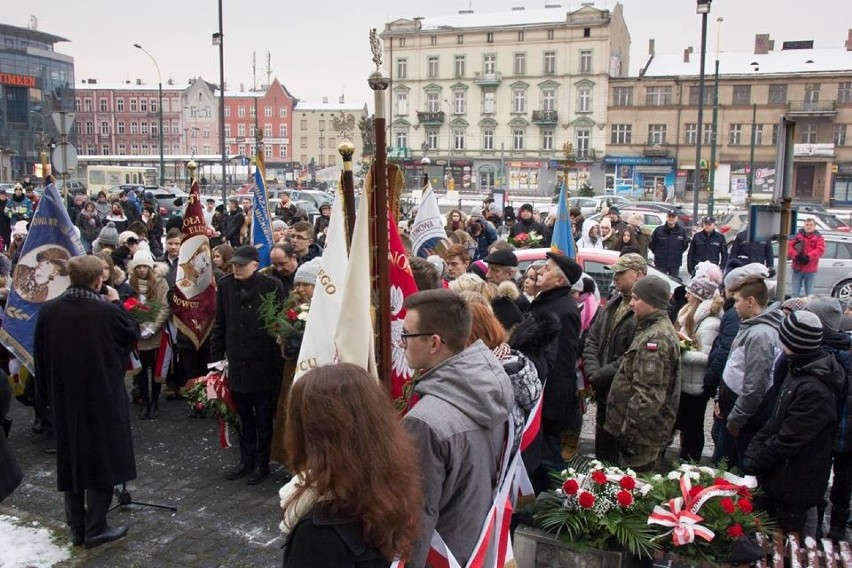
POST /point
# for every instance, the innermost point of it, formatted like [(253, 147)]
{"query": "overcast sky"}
[(321, 48)]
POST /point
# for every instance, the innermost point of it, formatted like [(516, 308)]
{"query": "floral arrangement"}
[(142, 311), (285, 321), (526, 240), (694, 512), (210, 397), (601, 507)]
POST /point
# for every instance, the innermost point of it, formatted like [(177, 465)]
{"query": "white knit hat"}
[(140, 258)]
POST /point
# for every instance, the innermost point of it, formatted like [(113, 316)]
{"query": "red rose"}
[(625, 499), (744, 505), (695, 491), (599, 477), (744, 492), (292, 315), (721, 481), (570, 487), (587, 500), (199, 406), (727, 505), (735, 530), (627, 483)]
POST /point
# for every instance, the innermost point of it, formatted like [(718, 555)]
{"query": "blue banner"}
[(41, 273), (261, 222), (563, 236)]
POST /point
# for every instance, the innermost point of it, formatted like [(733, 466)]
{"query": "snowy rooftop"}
[(558, 13), (740, 63), (327, 106), (131, 86)]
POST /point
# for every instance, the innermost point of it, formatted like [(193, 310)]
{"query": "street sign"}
[(64, 121), (63, 162)]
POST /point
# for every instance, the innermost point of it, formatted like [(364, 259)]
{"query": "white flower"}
[(303, 316), (595, 464), (564, 472), (646, 488), (673, 475), (693, 475), (630, 472), (657, 477)]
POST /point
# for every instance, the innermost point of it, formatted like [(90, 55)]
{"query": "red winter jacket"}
[(811, 245)]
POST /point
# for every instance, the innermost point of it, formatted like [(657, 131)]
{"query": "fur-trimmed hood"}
[(535, 332)]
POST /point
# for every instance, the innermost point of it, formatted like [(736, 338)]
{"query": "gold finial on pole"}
[(191, 166), (568, 151), (347, 150)]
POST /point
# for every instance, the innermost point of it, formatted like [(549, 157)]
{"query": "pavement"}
[(179, 463)]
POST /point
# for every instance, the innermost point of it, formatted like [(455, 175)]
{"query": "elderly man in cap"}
[(668, 243), (707, 244), (608, 340), (502, 266), (643, 401), (561, 419), (254, 359)]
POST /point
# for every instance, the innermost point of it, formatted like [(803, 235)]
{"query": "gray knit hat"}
[(829, 311), (702, 288), (654, 291), (308, 272), (801, 332), (108, 235)]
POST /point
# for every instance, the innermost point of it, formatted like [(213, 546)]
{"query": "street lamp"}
[(160, 109), (703, 8)]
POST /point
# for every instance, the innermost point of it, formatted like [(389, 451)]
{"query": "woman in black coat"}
[(10, 471)]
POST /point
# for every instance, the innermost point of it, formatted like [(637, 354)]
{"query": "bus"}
[(101, 178)]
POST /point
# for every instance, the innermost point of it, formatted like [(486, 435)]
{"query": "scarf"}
[(81, 293), (293, 510)]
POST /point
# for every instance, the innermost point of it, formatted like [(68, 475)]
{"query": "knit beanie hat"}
[(308, 272), (108, 235), (278, 224), (829, 311), (20, 228), (126, 236), (801, 332), (702, 288), (140, 258), (654, 291)]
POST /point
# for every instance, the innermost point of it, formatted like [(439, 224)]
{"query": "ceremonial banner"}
[(317, 343), (194, 309), (353, 337), (563, 236), (41, 273), (428, 228), (261, 223), (402, 286)]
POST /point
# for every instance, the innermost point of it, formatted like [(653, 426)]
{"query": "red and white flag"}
[(194, 304), (402, 286)]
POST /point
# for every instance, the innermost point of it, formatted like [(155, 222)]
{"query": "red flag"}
[(402, 286), (195, 287)]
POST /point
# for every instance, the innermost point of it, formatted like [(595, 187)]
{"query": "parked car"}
[(834, 275), (171, 201), (683, 216), (75, 186), (593, 262), (731, 224), (592, 205), (308, 205), (319, 198)]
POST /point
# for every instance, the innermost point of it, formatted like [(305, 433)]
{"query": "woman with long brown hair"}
[(355, 499)]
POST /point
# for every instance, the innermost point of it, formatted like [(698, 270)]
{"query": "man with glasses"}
[(303, 242), (458, 424), (254, 359)]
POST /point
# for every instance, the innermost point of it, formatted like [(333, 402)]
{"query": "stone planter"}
[(538, 549)]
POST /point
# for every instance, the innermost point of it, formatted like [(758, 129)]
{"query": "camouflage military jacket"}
[(643, 401)]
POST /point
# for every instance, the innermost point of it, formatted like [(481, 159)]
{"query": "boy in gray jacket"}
[(746, 394)]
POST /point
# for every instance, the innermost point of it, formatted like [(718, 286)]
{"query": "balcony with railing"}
[(430, 117), (811, 108), (548, 117), (492, 79), (656, 150), (584, 155)]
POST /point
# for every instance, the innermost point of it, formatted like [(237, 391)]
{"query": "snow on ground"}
[(28, 545)]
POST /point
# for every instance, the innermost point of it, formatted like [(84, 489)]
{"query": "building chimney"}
[(651, 46), (761, 44), (686, 53), (849, 41), (138, 81)]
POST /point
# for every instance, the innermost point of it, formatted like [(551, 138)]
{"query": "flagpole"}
[(347, 149), (191, 166), (379, 85)]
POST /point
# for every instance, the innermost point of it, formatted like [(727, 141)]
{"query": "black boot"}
[(98, 532), (155, 410), (145, 413)]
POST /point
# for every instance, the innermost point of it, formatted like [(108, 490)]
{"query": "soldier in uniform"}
[(643, 401)]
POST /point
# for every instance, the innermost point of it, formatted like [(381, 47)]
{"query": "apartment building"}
[(319, 130), (491, 98), (653, 130)]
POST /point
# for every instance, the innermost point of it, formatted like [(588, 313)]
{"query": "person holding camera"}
[(806, 248)]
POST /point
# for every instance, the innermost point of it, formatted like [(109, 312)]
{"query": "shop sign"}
[(17, 80)]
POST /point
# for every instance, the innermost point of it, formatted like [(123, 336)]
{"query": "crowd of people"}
[(489, 344)]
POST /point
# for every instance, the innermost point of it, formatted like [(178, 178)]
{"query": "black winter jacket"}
[(791, 454), (728, 329), (318, 540), (754, 251), (560, 392), (710, 247), (668, 245)]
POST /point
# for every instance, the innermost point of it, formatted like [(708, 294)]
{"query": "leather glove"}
[(623, 445)]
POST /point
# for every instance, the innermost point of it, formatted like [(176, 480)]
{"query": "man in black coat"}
[(254, 359), (668, 243), (747, 251), (233, 223), (707, 244), (560, 411), (85, 375)]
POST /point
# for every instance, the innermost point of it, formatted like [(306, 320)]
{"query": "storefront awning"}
[(662, 170)]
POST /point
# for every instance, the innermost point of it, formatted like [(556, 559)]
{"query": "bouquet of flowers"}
[(285, 321), (142, 310), (210, 397), (601, 507), (701, 511), (526, 240)]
